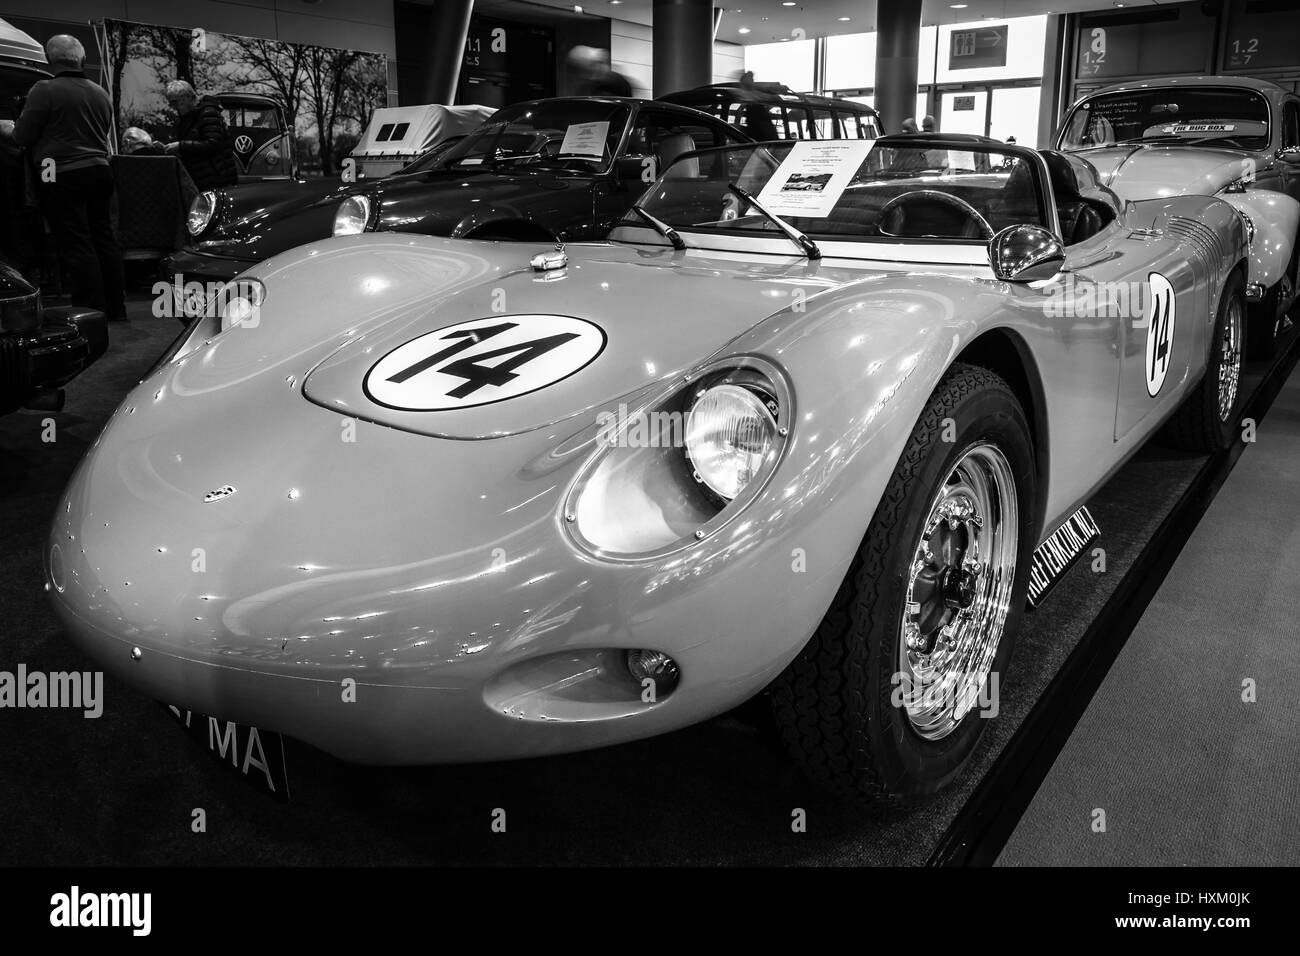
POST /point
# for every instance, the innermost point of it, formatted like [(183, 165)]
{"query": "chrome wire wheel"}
[(1230, 359), (959, 591)]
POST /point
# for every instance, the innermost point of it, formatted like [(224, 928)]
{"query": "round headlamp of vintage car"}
[(352, 217), (241, 303), (729, 433), (201, 212), (672, 471)]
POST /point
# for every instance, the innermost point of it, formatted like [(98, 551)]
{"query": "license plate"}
[(1058, 553), (256, 755)]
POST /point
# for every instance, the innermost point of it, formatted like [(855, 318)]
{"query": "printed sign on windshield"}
[(813, 176)]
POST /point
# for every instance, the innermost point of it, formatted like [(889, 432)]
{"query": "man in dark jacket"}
[(65, 124), (202, 139)]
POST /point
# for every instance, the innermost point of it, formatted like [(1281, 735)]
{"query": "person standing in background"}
[(927, 124), (202, 140), (65, 124)]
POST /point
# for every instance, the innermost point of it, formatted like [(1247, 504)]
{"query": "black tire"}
[(1198, 424), (1265, 316), (833, 704)]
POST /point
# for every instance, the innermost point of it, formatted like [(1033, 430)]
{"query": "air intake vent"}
[(1207, 250)]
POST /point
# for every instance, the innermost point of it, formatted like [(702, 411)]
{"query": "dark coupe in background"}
[(566, 167)]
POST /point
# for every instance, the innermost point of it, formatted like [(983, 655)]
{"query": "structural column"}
[(898, 44), (444, 50), (683, 45)]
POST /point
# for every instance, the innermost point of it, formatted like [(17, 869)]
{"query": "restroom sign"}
[(978, 48)]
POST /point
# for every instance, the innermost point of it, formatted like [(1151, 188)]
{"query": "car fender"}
[(863, 361), (1276, 218)]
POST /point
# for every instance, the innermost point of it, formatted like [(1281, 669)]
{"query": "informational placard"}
[(813, 176), (585, 140), (978, 48), (1262, 34)]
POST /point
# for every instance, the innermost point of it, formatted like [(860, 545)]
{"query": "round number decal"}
[(483, 361), (1161, 307)]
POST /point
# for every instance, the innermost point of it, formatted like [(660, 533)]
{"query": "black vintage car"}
[(774, 111), (565, 167), (41, 350)]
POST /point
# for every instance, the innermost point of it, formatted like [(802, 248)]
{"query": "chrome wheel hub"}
[(959, 592), (1230, 361)]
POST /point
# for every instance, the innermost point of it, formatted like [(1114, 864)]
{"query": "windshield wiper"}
[(661, 227), (794, 235)]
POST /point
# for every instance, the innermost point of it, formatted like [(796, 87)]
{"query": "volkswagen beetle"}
[(508, 500), (1233, 137)]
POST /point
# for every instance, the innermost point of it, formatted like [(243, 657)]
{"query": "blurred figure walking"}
[(596, 77)]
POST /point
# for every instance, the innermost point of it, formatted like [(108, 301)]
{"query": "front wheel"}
[(886, 701)]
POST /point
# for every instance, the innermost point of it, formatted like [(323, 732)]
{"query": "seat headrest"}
[(672, 146)]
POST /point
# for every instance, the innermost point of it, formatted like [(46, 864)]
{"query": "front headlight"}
[(241, 303), (201, 211), (237, 303), (679, 468), (352, 216), (729, 433)]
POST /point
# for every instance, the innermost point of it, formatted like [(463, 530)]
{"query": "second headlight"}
[(201, 211), (352, 217)]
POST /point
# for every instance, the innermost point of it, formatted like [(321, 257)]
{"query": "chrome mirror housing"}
[(1025, 253)]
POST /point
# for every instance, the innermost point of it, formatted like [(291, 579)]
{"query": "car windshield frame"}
[(619, 115), (708, 234), (1086, 105)]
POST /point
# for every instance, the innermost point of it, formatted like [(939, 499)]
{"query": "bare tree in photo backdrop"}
[(328, 94)]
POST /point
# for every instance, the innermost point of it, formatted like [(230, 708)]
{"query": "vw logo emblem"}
[(243, 143)]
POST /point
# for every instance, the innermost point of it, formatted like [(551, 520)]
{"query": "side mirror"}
[(1025, 253), (1289, 155), (629, 168)]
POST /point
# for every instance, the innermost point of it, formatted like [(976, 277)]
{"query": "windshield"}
[(251, 117), (430, 157), (562, 134), (1219, 115), (845, 189)]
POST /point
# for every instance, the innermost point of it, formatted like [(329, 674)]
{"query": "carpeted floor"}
[(1187, 771), (121, 789)]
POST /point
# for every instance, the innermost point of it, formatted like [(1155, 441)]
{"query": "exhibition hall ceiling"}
[(769, 20)]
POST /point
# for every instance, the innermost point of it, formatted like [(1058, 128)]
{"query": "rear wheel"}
[(885, 701), (1207, 420)]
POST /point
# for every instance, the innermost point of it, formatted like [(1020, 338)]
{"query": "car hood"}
[(1157, 172), (449, 203), (432, 205), (335, 310), (259, 220)]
